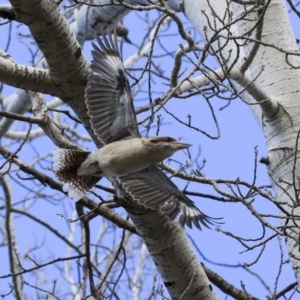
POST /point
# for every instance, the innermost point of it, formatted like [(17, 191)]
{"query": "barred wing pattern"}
[(153, 189), (110, 106), (108, 95)]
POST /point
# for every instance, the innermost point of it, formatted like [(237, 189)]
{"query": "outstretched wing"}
[(153, 189), (108, 95), (110, 106)]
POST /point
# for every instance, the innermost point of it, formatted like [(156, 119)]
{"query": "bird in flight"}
[(125, 156)]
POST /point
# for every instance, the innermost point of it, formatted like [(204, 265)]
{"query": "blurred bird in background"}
[(125, 156)]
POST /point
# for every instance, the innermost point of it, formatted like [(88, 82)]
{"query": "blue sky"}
[(230, 157)]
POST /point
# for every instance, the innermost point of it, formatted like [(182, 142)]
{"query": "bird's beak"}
[(179, 146)]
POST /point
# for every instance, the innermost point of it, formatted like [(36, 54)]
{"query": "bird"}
[(126, 157), (112, 160)]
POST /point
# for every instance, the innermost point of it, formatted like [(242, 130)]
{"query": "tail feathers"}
[(65, 163)]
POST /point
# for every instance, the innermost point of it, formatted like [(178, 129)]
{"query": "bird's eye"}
[(169, 139), (154, 141), (93, 164)]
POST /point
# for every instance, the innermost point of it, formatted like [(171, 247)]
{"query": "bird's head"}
[(164, 146)]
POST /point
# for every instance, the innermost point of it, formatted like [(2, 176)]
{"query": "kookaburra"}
[(125, 156)]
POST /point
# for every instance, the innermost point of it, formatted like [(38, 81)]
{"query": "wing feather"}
[(153, 189), (108, 96)]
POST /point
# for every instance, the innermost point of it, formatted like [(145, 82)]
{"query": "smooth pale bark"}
[(280, 120), (172, 253), (68, 67)]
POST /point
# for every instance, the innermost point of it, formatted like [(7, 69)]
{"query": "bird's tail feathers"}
[(65, 164)]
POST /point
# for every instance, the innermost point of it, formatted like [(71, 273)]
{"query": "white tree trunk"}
[(278, 112)]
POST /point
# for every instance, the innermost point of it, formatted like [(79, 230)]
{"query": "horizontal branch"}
[(27, 78)]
